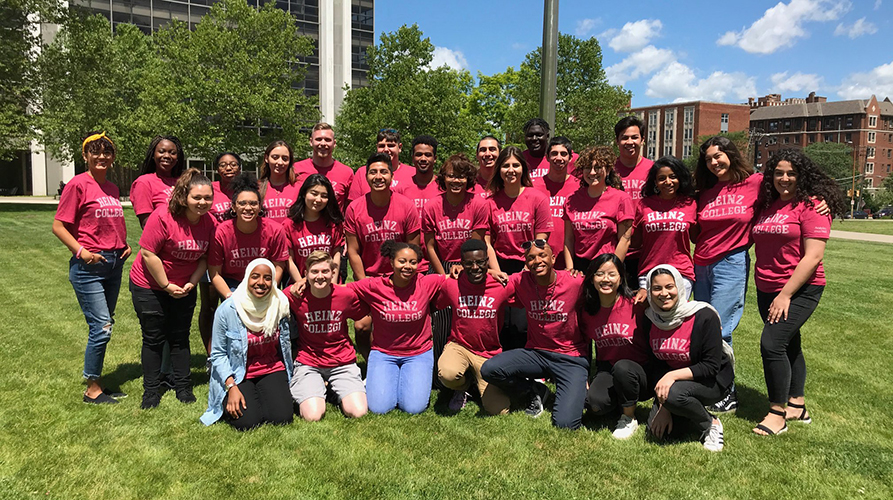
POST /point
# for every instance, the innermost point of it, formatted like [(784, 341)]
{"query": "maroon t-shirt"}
[(264, 356), (420, 196), (278, 199), (451, 225), (222, 202), (95, 212), (594, 220), (150, 191), (725, 216), (233, 250), (177, 243), (477, 313), (551, 312), (616, 333), (634, 178), (665, 226), (539, 167), (339, 174), (673, 346), (558, 193), (373, 225), (323, 339), (514, 221), (359, 187), (305, 238)]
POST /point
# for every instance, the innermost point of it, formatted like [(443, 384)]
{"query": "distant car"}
[(860, 214), (884, 212)]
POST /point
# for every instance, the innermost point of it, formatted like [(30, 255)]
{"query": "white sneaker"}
[(626, 427), (713, 441)]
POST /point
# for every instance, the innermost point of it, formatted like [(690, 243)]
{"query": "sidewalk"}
[(38, 200), (850, 235)]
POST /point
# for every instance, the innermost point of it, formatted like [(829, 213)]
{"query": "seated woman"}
[(251, 362), (611, 318), (686, 339)]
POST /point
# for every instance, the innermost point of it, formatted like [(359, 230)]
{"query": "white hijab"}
[(668, 320), (260, 314)]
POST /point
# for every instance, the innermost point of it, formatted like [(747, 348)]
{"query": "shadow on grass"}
[(126, 372), (752, 404), (26, 207)]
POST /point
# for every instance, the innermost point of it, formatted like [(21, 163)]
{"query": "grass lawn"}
[(881, 226), (54, 446)]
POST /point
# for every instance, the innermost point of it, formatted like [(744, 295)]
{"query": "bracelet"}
[(78, 254), (165, 286), (230, 386)]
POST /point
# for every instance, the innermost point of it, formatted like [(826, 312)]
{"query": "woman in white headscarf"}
[(686, 340), (251, 362)]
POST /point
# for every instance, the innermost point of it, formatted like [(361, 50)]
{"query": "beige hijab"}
[(260, 314)]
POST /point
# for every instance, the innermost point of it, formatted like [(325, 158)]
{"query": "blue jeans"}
[(96, 287), (402, 382), (724, 284)]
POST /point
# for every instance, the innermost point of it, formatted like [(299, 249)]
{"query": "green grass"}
[(881, 226), (54, 446)]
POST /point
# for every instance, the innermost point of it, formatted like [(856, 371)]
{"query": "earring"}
[(656, 190)]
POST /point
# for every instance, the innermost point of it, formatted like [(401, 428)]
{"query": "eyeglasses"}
[(247, 203), (539, 243), (452, 175), (232, 164), (472, 263)]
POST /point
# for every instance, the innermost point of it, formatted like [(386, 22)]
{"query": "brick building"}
[(673, 129), (866, 125)]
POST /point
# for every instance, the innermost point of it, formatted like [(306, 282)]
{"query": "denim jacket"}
[(229, 356)]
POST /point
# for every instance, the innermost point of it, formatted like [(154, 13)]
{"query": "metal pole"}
[(549, 63), (853, 192)]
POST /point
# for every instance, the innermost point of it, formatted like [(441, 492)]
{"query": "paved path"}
[(37, 200), (852, 235)]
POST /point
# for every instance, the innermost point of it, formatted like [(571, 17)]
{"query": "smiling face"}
[(559, 157), (594, 175), (511, 170), (785, 180), (454, 184), (317, 198), (474, 264), (423, 158), (664, 292), (379, 176), (391, 148), (405, 264), (166, 154), (323, 143), (487, 153), (667, 183), (199, 200), (629, 142), (319, 276), (717, 162), (100, 161), (247, 206), (537, 140), (279, 161), (539, 261), (606, 279), (228, 167), (260, 281)]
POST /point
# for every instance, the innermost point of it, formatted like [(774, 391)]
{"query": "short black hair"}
[(426, 140), (537, 121), (627, 122), (561, 141), (472, 245), (390, 248), (378, 158)]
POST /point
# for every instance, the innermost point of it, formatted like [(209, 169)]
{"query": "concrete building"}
[(673, 129), (866, 125)]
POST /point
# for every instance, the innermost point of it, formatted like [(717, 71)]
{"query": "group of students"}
[(483, 278)]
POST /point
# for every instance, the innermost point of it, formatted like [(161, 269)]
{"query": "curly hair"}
[(686, 187), (191, 178), (601, 156), (591, 301), (739, 169), (148, 165), (462, 169), (390, 248), (811, 182), (246, 181), (496, 183), (98, 146)]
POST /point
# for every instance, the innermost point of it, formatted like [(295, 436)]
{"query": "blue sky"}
[(676, 51)]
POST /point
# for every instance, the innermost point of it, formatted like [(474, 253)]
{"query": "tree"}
[(834, 159), (492, 99), (406, 94), (741, 139), (587, 105)]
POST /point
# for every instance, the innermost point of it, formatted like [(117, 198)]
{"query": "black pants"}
[(164, 319), (632, 272), (514, 326), (622, 385), (441, 322), (581, 263), (686, 400), (783, 364), (511, 371), (267, 400)]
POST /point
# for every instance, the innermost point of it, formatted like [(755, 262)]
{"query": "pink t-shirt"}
[(359, 187), (222, 202), (233, 250), (725, 216), (673, 346), (558, 193), (373, 225), (150, 191), (665, 226), (539, 167), (516, 220), (339, 174), (778, 236), (323, 339), (594, 220), (480, 188), (634, 178), (401, 322), (420, 195), (95, 212), (551, 312), (177, 243), (307, 237), (477, 313), (264, 356), (616, 333), (278, 199), (452, 226)]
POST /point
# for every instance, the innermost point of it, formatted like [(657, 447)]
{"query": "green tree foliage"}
[(492, 99), (741, 139), (231, 84), (835, 159), (406, 94)]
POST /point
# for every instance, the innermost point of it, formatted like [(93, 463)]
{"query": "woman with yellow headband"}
[(90, 222)]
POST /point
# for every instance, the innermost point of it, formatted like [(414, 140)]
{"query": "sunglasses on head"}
[(539, 243)]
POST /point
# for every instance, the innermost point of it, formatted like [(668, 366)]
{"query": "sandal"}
[(768, 431), (804, 417)]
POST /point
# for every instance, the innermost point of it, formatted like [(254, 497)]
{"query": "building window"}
[(888, 152), (759, 155), (829, 137), (849, 137), (669, 130), (796, 139), (773, 126), (689, 117), (787, 124), (872, 121), (849, 122), (653, 126), (724, 122), (869, 152), (773, 140), (871, 137), (811, 124), (869, 168), (869, 183), (686, 150), (811, 138), (786, 140)]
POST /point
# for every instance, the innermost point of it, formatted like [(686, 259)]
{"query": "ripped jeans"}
[(96, 287)]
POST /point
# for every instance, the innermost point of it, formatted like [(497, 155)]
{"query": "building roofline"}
[(688, 102)]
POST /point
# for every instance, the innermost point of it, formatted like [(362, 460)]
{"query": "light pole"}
[(549, 62)]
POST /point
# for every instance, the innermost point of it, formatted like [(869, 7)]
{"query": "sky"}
[(679, 50)]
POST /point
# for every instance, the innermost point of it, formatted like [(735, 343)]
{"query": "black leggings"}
[(267, 399), (687, 399), (514, 327), (783, 364), (441, 322), (624, 384), (164, 319)]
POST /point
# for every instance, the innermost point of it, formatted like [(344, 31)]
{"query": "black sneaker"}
[(100, 399), (538, 395), (151, 399), (727, 404), (185, 395)]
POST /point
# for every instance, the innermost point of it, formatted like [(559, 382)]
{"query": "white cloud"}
[(447, 57), (679, 83), (585, 27), (634, 36), (878, 81), (857, 29), (877, 4), (638, 64), (798, 82), (782, 25), (519, 46)]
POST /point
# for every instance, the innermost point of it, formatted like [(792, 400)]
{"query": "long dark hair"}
[(739, 169), (591, 302), (148, 165), (332, 210), (496, 183), (811, 182), (686, 188)]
